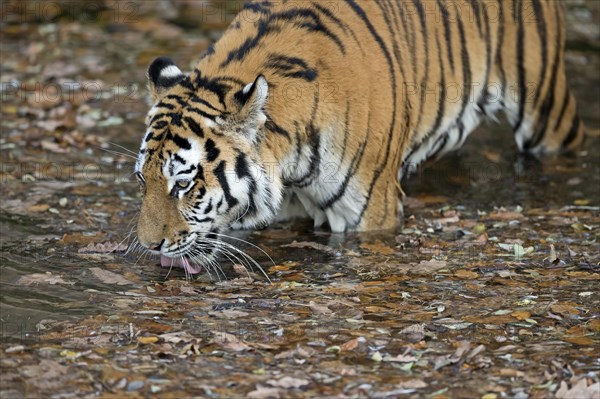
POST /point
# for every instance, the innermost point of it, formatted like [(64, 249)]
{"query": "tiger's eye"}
[(182, 183)]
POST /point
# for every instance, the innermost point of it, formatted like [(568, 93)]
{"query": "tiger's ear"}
[(251, 100), (162, 75)]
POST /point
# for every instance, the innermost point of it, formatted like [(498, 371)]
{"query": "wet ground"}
[(489, 290)]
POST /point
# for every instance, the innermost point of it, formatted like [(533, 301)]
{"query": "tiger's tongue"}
[(185, 262)]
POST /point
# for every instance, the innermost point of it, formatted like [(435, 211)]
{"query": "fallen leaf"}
[(38, 208), (147, 340), (263, 393), (578, 390), (103, 248), (82, 238), (319, 309), (309, 244), (289, 382), (594, 325), (564, 308), (108, 277), (466, 274), (378, 247), (428, 266), (521, 315), (41, 278), (230, 341), (350, 345), (400, 358)]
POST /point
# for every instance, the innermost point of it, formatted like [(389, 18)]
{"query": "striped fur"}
[(319, 108)]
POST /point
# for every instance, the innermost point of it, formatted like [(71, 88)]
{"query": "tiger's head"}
[(201, 167)]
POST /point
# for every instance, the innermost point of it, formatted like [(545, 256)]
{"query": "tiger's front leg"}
[(384, 210)]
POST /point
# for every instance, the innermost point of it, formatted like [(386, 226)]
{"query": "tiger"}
[(318, 109)]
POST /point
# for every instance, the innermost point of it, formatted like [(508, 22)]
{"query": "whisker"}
[(123, 148)]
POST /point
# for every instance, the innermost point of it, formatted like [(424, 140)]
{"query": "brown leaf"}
[(378, 247), (350, 345), (428, 266), (466, 274), (578, 390), (319, 309), (103, 248), (109, 277), (38, 208), (564, 308), (594, 325), (41, 278), (506, 215), (309, 244), (80, 238), (289, 382), (521, 315), (147, 340), (585, 341), (264, 393), (230, 341)]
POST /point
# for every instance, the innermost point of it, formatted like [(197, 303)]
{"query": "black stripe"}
[(194, 127), (189, 170), (163, 104), (466, 68), (179, 159), (563, 109), (500, 48), (213, 85), (178, 99), (477, 12), (199, 173), (175, 118), (447, 33), (315, 158), (352, 169), (291, 67), (194, 98), (160, 125), (179, 141), (202, 113), (212, 152), (423, 85), (377, 173), (273, 127), (572, 132), (541, 29), (242, 51), (219, 172), (209, 207), (346, 134), (548, 104), (520, 64), (315, 24), (241, 166), (488, 65), (338, 22)]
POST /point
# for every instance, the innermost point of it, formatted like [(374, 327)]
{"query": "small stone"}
[(135, 385), (15, 349), (63, 202), (27, 178)]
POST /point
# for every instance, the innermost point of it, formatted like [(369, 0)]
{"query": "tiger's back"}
[(360, 92)]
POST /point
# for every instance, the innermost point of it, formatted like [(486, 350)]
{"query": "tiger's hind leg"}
[(538, 101), (552, 125)]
